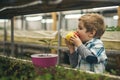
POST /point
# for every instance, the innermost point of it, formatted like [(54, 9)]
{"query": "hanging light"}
[(35, 18), (3, 20), (73, 16), (47, 20), (115, 17)]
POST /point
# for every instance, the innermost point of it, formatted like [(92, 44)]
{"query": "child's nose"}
[(76, 30)]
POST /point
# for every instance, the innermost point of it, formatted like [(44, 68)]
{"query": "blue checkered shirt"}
[(95, 48)]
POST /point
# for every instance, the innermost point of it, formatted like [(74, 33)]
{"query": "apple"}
[(70, 34)]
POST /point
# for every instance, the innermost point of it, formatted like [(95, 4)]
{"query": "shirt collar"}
[(90, 41)]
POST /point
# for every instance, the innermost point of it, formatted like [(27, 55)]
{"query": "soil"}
[(41, 55)]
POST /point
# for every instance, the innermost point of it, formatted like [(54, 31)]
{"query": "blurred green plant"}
[(112, 28), (118, 28)]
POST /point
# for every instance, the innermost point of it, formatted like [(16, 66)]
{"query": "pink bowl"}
[(44, 60)]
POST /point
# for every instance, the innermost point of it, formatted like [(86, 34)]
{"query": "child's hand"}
[(70, 46), (76, 40)]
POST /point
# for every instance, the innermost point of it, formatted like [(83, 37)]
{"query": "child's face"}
[(83, 34)]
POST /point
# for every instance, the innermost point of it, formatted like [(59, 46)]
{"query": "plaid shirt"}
[(93, 47)]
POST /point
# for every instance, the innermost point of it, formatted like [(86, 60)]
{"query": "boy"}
[(87, 51)]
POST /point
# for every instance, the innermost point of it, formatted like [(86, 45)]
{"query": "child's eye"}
[(80, 28)]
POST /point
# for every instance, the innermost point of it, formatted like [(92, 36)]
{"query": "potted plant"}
[(44, 60)]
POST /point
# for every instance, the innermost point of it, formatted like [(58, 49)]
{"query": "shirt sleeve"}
[(86, 54), (99, 51), (73, 58)]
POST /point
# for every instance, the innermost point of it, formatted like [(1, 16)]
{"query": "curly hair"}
[(94, 21)]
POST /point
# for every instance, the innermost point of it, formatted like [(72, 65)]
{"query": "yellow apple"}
[(69, 35)]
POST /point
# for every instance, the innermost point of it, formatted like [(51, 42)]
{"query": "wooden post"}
[(118, 11), (54, 17)]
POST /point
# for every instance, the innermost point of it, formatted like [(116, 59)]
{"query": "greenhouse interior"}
[(32, 38)]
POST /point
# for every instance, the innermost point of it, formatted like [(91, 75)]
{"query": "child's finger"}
[(75, 36)]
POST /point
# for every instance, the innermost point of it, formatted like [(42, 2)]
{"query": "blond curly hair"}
[(94, 21)]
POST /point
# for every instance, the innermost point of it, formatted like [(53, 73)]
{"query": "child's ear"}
[(92, 33)]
